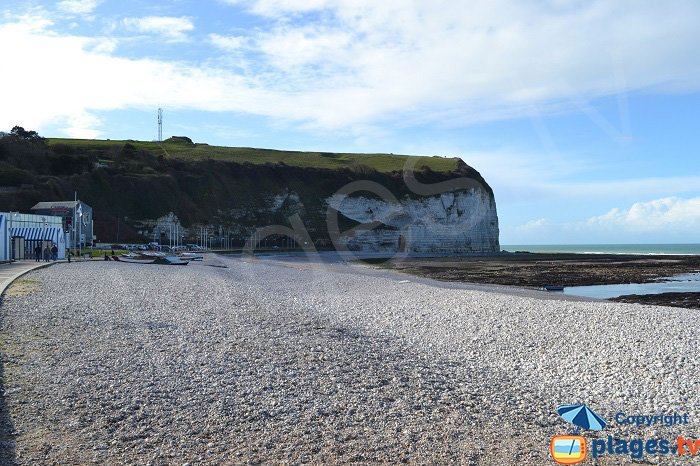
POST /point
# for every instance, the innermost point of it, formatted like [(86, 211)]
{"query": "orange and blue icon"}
[(568, 449)]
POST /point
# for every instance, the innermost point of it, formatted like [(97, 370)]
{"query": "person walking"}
[(47, 254), (37, 253), (54, 253)]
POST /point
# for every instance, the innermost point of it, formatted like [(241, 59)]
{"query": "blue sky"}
[(582, 115)]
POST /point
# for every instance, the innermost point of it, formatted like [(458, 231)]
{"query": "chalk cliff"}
[(460, 221)]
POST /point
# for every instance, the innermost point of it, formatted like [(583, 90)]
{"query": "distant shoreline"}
[(662, 249), (531, 271), (534, 270)]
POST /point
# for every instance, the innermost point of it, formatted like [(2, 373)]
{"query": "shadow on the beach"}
[(7, 427)]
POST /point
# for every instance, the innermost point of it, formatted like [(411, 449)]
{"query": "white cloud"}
[(82, 125), (27, 24), (663, 220), (518, 176), (276, 8), (80, 7), (292, 48), (102, 45), (362, 62), (533, 52), (229, 43), (95, 81), (173, 29), (534, 225), (527, 176), (471, 61), (669, 213)]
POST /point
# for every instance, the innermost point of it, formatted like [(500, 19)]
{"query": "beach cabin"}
[(21, 233), (4, 239)]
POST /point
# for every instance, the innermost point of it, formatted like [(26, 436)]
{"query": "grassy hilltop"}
[(183, 148), (131, 183)]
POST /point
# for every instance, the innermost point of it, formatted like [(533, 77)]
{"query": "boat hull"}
[(134, 260)]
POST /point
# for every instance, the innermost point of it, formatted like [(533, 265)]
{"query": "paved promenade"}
[(9, 272)]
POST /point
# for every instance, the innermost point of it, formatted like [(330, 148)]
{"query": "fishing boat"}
[(171, 260), (552, 288), (191, 256), (135, 258), (150, 258)]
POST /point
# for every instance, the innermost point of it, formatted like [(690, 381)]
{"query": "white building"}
[(5, 244), (70, 211), (168, 231), (21, 233)]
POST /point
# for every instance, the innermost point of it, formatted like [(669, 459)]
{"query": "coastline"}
[(672, 249), (534, 270)]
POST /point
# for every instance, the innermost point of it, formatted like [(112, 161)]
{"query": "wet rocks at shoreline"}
[(533, 270), (686, 300)]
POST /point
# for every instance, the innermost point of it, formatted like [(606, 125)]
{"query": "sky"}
[(583, 116)]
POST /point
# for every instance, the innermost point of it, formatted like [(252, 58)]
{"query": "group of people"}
[(48, 253)]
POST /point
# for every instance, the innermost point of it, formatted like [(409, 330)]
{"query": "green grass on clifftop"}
[(183, 150)]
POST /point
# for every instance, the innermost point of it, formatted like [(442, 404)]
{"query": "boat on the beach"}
[(171, 260), (152, 257), (191, 256), (135, 258), (552, 288)]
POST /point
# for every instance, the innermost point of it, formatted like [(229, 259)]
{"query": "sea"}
[(681, 283), (650, 249)]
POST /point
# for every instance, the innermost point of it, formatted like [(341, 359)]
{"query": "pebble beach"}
[(237, 360)]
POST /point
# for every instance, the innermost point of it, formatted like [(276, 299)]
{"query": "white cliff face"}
[(460, 221)]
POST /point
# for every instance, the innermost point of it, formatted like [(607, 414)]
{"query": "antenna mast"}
[(160, 125)]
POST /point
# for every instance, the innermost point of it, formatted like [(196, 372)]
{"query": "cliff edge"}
[(364, 202)]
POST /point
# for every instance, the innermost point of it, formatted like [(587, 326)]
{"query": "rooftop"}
[(50, 204)]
